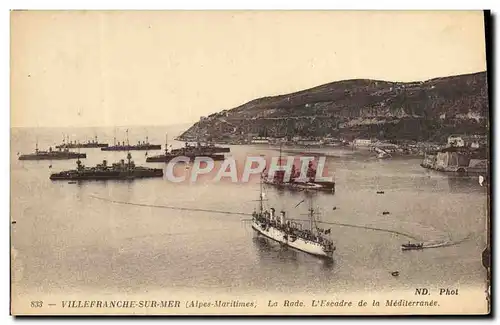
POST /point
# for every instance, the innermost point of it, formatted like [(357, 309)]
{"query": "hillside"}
[(429, 110)]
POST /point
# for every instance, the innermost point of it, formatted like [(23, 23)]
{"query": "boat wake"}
[(426, 244), (446, 243), (372, 228)]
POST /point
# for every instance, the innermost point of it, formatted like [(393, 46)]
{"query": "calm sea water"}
[(67, 240)]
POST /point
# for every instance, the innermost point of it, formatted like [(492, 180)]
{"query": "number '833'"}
[(36, 304)]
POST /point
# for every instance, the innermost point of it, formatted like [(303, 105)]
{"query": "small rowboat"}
[(411, 246)]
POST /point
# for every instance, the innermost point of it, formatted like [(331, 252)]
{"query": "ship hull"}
[(127, 148), (222, 149), (316, 186), (44, 157), (166, 159), (206, 150), (411, 248), (107, 175), (300, 244), (92, 145)]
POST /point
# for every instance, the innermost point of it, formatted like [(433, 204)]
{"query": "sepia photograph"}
[(249, 162)]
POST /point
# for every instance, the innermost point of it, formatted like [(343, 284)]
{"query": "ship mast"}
[(261, 197), (129, 156), (279, 161), (166, 144), (78, 162), (312, 214)]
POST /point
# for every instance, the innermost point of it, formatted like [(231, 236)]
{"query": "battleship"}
[(296, 183), (206, 149), (144, 145), (117, 171), (89, 144), (52, 155), (290, 233), (190, 152)]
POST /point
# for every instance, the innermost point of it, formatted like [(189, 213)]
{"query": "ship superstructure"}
[(296, 183), (200, 148), (126, 146), (94, 143), (190, 152)]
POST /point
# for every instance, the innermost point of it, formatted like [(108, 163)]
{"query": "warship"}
[(190, 152), (52, 154), (89, 144), (290, 233), (295, 183), (117, 171), (204, 148), (144, 145)]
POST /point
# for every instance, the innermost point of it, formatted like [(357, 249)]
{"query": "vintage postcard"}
[(249, 163)]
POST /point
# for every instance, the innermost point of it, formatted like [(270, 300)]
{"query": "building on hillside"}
[(260, 140), (456, 141), (362, 142)]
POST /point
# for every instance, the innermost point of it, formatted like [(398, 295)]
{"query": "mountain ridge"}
[(421, 110)]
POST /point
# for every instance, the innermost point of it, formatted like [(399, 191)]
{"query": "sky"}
[(113, 68)]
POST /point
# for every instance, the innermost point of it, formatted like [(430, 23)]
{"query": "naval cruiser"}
[(202, 148), (74, 144), (144, 145), (190, 152), (121, 170), (52, 155), (289, 233), (296, 183)]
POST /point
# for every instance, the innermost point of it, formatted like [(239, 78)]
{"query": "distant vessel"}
[(190, 152), (52, 155), (291, 234), (89, 144), (295, 183), (411, 246), (120, 170), (144, 145), (199, 148)]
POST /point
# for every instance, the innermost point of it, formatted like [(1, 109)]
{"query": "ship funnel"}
[(282, 217), (272, 213), (104, 163)]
